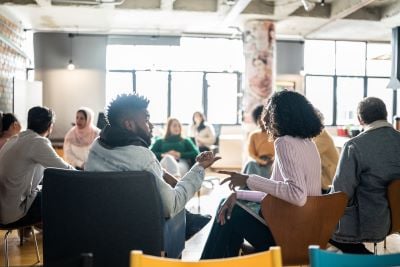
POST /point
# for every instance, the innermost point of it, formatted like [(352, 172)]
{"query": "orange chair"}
[(295, 228), (270, 258)]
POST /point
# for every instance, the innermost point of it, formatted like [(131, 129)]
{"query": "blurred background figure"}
[(79, 138), (10, 127), (329, 159), (202, 133), (396, 121), (175, 153), (261, 149)]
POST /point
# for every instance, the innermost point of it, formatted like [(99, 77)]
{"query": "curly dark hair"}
[(290, 113), (125, 105)]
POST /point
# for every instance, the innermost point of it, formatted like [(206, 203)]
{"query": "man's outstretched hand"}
[(206, 159)]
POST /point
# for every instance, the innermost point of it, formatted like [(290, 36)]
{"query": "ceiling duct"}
[(395, 76)]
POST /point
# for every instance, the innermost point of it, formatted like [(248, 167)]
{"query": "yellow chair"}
[(270, 258)]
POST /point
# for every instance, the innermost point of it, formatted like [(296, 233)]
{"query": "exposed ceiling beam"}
[(167, 5), (235, 11), (391, 10), (283, 8), (341, 9), (43, 3), (259, 7)]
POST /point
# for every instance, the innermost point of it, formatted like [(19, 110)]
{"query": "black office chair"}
[(101, 121), (106, 214)]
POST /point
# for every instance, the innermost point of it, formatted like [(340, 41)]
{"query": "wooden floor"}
[(208, 201)]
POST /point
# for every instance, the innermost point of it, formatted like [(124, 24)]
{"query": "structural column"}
[(259, 51)]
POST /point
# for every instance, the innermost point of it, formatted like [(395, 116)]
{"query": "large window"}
[(179, 80), (340, 74)]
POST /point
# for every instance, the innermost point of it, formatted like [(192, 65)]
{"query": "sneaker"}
[(194, 223)]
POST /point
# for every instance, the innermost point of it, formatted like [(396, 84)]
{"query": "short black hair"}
[(371, 109), (40, 119), (256, 114), (7, 120), (290, 113), (123, 106)]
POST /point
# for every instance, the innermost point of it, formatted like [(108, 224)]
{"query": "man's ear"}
[(129, 125), (360, 120)]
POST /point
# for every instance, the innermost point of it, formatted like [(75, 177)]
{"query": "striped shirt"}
[(296, 173)]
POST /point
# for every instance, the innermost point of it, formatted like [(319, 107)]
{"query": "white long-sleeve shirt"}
[(22, 162)]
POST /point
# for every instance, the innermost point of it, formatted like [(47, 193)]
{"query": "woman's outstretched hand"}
[(225, 210), (235, 179)]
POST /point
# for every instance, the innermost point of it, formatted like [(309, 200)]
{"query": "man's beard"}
[(144, 135)]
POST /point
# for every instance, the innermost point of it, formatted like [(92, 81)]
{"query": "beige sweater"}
[(329, 158)]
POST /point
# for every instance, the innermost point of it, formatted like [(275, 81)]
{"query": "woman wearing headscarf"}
[(79, 138)]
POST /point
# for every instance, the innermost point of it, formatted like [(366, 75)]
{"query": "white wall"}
[(65, 91)]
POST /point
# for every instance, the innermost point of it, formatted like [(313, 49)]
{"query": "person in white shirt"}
[(23, 160), (202, 132)]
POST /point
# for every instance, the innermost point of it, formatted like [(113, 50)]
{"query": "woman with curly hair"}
[(291, 121)]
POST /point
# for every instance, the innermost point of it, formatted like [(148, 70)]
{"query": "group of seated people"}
[(291, 130)]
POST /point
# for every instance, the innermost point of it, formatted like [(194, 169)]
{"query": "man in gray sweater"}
[(123, 145), (22, 162), (367, 165)]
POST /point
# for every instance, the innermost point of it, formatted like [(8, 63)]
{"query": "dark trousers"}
[(353, 248), (225, 240), (34, 214)]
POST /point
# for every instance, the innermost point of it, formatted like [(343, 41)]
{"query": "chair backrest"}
[(107, 214), (294, 228), (394, 204), (270, 258), (322, 258)]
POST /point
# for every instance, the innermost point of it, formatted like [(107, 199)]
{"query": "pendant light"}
[(71, 65)]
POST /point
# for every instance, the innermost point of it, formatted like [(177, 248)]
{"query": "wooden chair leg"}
[(375, 249)]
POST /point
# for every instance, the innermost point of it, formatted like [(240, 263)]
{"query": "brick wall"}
[(12, 60)]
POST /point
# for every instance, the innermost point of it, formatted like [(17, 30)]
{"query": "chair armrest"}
[(174, 235)]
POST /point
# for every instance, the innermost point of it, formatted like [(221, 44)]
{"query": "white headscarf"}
[(86, 135)]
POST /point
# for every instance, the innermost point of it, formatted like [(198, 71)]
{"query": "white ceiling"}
[(337, 19)]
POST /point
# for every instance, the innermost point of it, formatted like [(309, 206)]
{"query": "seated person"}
[(261, 149), (175, 153), (329, 159), (10, 127), (202, 132), (79, 138), (22, 162), (367, 165), (292, 121), (124, 145)]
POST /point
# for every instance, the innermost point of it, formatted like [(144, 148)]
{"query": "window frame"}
[(204, 89), (365, 78)]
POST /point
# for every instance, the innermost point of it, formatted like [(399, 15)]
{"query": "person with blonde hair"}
[(79, 138)]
